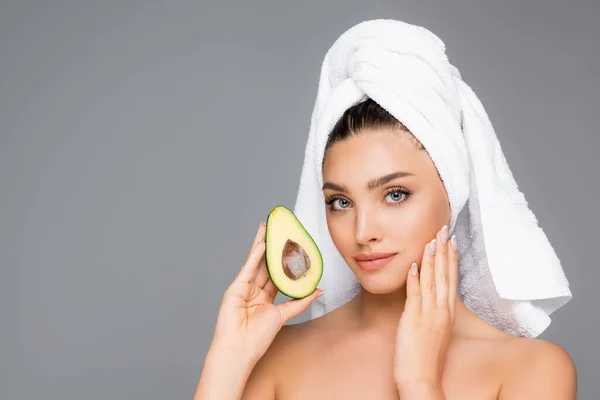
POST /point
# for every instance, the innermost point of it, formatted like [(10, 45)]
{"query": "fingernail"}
[(444, 234), (262, 223), (321, 294), (413, 269), (453, 242), (432, 247)]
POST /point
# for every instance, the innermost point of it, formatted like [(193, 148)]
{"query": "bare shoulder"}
[(537, 368), (293, 342)]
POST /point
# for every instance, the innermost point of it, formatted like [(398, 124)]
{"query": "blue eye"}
[(342, 202), (329, 201), (396, 195)]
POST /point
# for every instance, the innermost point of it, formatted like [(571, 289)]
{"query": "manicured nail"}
[(321, 294), (413, 269), (432, 247), (444, 234), (453, 242), (263, 223)]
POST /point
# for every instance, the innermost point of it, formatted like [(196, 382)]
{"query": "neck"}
[(378, 312)]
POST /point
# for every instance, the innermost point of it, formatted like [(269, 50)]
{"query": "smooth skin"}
[(403, 335)]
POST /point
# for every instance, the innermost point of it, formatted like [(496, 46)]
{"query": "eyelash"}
[(407, 193)]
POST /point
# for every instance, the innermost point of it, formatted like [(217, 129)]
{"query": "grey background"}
[(142, 142)]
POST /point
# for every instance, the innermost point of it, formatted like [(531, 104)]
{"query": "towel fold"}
[(509, 273)]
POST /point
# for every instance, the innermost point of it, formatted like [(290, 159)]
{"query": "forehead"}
[(376, 151)]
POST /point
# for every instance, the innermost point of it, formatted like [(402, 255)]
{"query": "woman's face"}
[(398, 215)]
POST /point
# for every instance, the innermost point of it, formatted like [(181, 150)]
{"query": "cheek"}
[(337, 230), (427, 215), (341, 230)]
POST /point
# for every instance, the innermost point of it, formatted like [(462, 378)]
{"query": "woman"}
[(406, 333)]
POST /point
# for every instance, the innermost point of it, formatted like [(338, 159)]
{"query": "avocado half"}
[(292, 257)]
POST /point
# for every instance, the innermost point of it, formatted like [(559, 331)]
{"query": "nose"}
[(367, 228)]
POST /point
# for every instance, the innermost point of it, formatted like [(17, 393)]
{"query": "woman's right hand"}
[(248, 321)]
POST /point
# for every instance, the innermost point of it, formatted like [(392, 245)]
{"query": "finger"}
[(452, 275), (248, 271), (260, 234), (270, 289), (262, 273), (413, 291), (427, 280), (292, 308), (244, 274), (441, 269)]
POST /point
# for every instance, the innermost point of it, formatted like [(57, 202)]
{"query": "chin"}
[(382, 282)]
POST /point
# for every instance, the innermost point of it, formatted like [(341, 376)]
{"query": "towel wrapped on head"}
[(509, 273)]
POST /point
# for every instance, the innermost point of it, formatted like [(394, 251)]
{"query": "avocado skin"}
[(282, 290)]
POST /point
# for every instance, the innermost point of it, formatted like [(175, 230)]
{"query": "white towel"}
[(509, 272)]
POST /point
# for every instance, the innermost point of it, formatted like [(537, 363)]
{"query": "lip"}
[(372, 256), (374, 261)]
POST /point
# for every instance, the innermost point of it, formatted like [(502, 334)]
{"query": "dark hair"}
[(365, 115)]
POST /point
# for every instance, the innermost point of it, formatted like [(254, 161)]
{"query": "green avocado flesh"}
[(292, 257)]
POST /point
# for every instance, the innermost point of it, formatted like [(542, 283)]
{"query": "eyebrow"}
[(372, 184)]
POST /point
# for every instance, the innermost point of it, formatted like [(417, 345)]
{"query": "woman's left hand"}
[(426, 324)]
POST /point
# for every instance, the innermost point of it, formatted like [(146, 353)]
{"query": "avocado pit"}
[(295, 260)]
